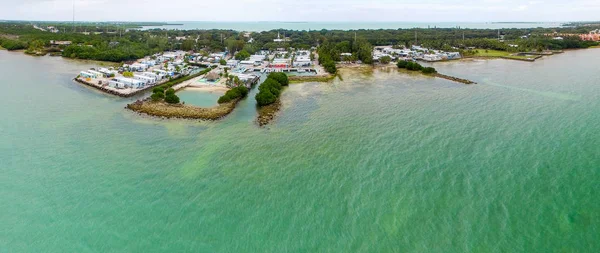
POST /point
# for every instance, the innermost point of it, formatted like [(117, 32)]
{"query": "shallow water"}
[(199, 97), (380, 162)]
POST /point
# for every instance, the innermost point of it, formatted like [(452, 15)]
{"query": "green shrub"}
[(224, 99), (170, 91), (414, 66), (12, 44), (172, 99), (269, 91), (243, 90), (330, 66), (280, 77), (232, 94), (385, 60), (402, 64), (272, 85), (157, 96), (428, 70), (158, 90), (265, 97)]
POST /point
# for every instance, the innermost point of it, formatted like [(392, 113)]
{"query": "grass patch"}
[(490, 53), (308, 79)]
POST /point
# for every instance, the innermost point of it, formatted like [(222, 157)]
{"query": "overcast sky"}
[(303, 10)]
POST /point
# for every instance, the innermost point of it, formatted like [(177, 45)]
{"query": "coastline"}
[(181, 111), (110, 91), (364, 67), (266, 114), (86, 61)]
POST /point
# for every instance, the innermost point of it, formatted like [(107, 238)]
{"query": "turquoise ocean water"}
[(379, 162)]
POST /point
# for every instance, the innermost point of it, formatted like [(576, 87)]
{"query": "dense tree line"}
[(233, 94), (414, 66), (270, 90), (114, 43), (12, 44)]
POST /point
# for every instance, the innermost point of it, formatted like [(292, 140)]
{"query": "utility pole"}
[(416, 41)]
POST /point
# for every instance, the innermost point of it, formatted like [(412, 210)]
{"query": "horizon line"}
[(266, 21)]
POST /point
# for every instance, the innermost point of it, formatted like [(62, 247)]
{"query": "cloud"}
[(521, 8)]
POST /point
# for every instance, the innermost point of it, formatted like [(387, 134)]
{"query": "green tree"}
[(242, 55), (157, 96), (172, 99), (385, 59), (265, 97), (188, 45), (280, 77), (402, 64), (170, 91), (330, 67), (223, 62), (414, 66), (429, 70)]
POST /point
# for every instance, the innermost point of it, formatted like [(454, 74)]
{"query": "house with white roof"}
[(130, 82)]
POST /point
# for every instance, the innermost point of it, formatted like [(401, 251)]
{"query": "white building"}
[(149, 63), (163, 73), (302, 61), (432, 57), (232, 63), (96, 73), (130, 82), (106, 72), (152, 75), (453, 55), (146, 79), (116, 84), (281, 39), (87, 74), (139, 67)]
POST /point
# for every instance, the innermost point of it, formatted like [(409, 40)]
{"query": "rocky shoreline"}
[(182, 111), (454, 79), (112, 92), (267, 114)]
